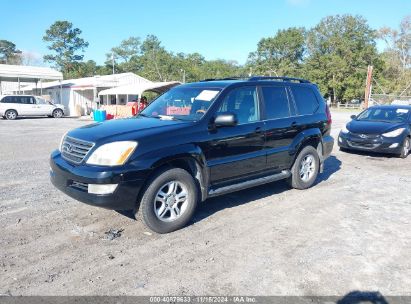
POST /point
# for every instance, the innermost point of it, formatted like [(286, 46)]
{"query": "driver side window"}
[(244, 103)]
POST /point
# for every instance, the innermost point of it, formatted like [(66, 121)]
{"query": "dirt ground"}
[(351, 231)]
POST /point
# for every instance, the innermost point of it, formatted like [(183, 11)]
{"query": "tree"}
[(156, 62), (65, 43), (396, 75), (282, 54), (125, 54), (9, 54), (399, 41), (339, 50)]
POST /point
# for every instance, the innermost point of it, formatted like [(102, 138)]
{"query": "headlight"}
[(394, 133), (344, 130), (112, 154), (61, 141)]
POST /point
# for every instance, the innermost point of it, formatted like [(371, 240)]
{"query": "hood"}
[(125, 129), (372, 127)]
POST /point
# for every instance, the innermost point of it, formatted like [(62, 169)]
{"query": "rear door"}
[(236, 152), (280, 124), (28, 105)]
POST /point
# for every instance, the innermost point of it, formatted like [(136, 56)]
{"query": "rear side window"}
[(276, 102), (7, 99), (305, 100), (26, 100)]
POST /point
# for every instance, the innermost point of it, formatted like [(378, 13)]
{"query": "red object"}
[(329, 118), (109, 116)]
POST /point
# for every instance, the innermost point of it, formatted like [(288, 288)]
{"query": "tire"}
[(11, 114), (164, 196), (406, 147), (58, 113), (304, 172)]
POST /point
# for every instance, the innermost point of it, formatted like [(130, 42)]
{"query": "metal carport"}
[(27, 74)]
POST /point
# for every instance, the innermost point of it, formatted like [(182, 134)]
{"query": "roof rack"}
[(288, 79), (226, 78)]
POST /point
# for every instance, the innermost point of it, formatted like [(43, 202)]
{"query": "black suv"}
[(197, 140)]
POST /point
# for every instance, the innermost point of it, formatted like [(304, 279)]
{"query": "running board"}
[(250, 183)]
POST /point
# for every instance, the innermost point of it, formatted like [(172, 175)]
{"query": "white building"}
[(80, 96)]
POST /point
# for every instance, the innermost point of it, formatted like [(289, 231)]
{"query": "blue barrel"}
[(100, 115)]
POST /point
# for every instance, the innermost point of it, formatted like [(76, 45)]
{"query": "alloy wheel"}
[(307, 167), (171, 201)]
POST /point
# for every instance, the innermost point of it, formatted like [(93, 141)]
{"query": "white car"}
[(12, 106)]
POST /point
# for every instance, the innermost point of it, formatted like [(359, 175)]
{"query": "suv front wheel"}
[(305, 169), (169, 200)]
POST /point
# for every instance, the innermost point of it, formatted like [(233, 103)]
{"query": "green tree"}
[(282, 54), (397, 57), (9, 54), (125, 55), (156, 63), (339, 50), (65, 42)]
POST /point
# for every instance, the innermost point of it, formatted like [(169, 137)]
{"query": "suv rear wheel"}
[(169, 200), (305, 169), (11, 115)]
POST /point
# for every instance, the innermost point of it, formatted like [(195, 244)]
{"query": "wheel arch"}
[(187, 157), (309, 137)]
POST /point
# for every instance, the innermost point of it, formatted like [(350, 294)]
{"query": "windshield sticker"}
[(206, 95), (402, 111)]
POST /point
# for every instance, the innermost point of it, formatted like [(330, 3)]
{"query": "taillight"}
[(329, 118)]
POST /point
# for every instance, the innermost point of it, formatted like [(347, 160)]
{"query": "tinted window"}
[(305, 100), (384, 114), (25, 99), (244, 103), (276, 102), (6, 99)]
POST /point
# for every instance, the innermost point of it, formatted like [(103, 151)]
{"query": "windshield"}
[(385, 115), (182, 103)]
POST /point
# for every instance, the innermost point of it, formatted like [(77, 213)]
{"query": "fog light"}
[(101, 189), (394, 145)]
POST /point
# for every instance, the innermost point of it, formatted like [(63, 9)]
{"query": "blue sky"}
[(227, 29)]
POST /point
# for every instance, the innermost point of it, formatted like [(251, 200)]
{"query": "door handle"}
[(294, 124)]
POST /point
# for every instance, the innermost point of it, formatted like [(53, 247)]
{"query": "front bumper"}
[(372, 143), (74, 181)]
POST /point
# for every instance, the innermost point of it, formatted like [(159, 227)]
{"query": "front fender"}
[(185, 152)]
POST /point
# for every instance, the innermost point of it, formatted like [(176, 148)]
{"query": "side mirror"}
[(353, 116), (225, 120)]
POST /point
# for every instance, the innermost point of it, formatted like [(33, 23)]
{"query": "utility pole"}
[(112, 60), (184, 75), (368, 86)]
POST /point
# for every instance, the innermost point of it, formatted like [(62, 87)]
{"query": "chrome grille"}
[(75, 150), (365, 136)]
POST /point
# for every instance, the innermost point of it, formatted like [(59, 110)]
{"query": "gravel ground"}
[(351, 231)]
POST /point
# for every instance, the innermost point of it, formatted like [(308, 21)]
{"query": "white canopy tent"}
[(137, 90)]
